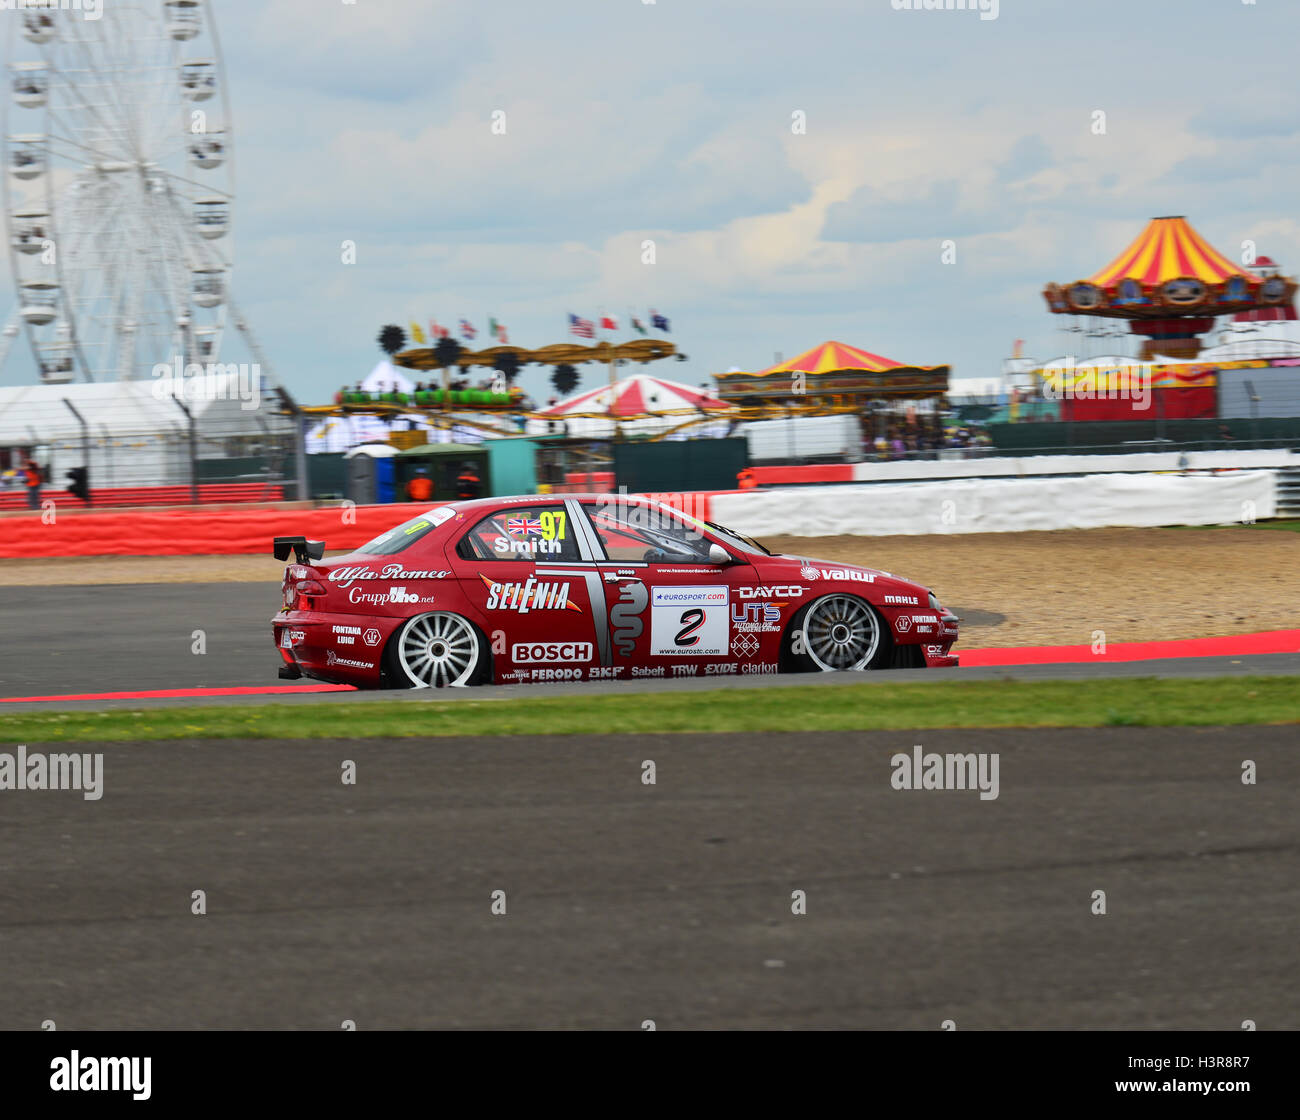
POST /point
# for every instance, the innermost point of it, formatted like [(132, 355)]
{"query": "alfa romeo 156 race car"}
[(570, 588)]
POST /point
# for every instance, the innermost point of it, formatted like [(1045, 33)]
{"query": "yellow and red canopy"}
[(1168, 249), (835, 369), (832, 357), (1169, 272)]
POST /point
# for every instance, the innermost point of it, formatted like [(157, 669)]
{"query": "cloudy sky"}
[(671, 121)]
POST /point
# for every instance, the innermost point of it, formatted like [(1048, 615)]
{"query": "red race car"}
[(580, 588)]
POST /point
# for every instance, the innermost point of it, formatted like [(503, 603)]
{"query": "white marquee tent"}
[(660, 405)]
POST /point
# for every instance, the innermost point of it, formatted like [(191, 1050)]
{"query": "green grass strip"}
[(1135, 702)]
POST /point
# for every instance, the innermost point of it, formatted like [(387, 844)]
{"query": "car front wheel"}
[(434, 651), (838, 633)]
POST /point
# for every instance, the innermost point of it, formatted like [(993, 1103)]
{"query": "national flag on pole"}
[(658, 321), (608, 323), (498, 331), (416, 333), (467, 330), (501, 334), (436, 332), (583, 328), (492, 328), (637, 325)]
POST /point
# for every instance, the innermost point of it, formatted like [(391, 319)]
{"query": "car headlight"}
[(934, 602)]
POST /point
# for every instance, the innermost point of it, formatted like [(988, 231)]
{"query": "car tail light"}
[(304, 591)]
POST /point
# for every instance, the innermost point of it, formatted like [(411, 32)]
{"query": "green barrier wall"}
[(680, 465)]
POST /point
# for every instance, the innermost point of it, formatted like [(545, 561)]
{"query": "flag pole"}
[(612, 390)]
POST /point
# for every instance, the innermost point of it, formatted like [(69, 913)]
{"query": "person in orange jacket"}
[(745, 479), (32, 478), (420, 487), (468, 484)]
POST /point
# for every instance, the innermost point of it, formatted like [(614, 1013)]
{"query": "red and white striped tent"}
[(641, 404)]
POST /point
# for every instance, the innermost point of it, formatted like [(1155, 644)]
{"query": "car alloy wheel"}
[(840, 633), (438, 649)]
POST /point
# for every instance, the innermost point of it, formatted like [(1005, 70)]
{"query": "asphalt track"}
[(671, 902), (141, 637), (626, 902)]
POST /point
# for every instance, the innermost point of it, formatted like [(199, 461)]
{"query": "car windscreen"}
[(406, 534)]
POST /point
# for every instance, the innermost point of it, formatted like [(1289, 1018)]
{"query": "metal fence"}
[(127, 444)]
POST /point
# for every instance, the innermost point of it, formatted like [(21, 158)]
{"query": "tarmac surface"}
[(672, 902), (140, 637)]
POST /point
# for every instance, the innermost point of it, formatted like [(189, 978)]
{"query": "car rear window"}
[(406, 534)]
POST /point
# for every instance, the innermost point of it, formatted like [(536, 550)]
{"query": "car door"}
[(669, 604), (517, 570)]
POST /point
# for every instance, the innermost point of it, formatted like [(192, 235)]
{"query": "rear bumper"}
[(337, 649)]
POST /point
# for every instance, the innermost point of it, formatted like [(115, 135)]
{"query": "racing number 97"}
[(553, 524)]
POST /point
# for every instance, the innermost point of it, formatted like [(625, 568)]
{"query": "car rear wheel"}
[(838, 633), (436, 650)]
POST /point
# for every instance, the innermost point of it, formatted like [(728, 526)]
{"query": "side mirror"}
[(719, 555)]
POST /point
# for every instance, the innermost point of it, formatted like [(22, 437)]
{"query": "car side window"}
[(525, 533), (634, 532)]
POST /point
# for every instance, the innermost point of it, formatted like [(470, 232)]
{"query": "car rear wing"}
[(303, 549)]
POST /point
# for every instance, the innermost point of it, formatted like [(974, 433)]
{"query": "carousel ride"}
[(1170, 285), (832, 379), (451, 408)]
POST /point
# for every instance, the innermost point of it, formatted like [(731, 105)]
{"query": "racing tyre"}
[(436, 650), (838, 633)]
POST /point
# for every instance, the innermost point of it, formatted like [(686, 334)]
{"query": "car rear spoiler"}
[(303, 549)]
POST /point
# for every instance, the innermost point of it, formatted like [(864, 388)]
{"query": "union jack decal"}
[(524, 527)]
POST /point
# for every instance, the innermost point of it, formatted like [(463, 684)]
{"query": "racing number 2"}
[(691, 621)]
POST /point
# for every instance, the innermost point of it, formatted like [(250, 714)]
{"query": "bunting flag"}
[(637, 325), (416, 333), (467, 330), (436, 332), (659, 322), (608, 323), (583, 328)]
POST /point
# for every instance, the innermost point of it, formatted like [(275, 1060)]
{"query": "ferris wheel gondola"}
[(118, 186)]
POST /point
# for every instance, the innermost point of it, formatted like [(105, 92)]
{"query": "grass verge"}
[(1287, 526), (1140, 702)]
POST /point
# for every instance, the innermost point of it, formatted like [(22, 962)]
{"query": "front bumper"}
[(938, 651)]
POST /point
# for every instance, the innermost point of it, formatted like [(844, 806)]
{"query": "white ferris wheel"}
[(118, 187)]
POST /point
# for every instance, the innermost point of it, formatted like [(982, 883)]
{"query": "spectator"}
[(468, 484), (420, 487), (32, 478)]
